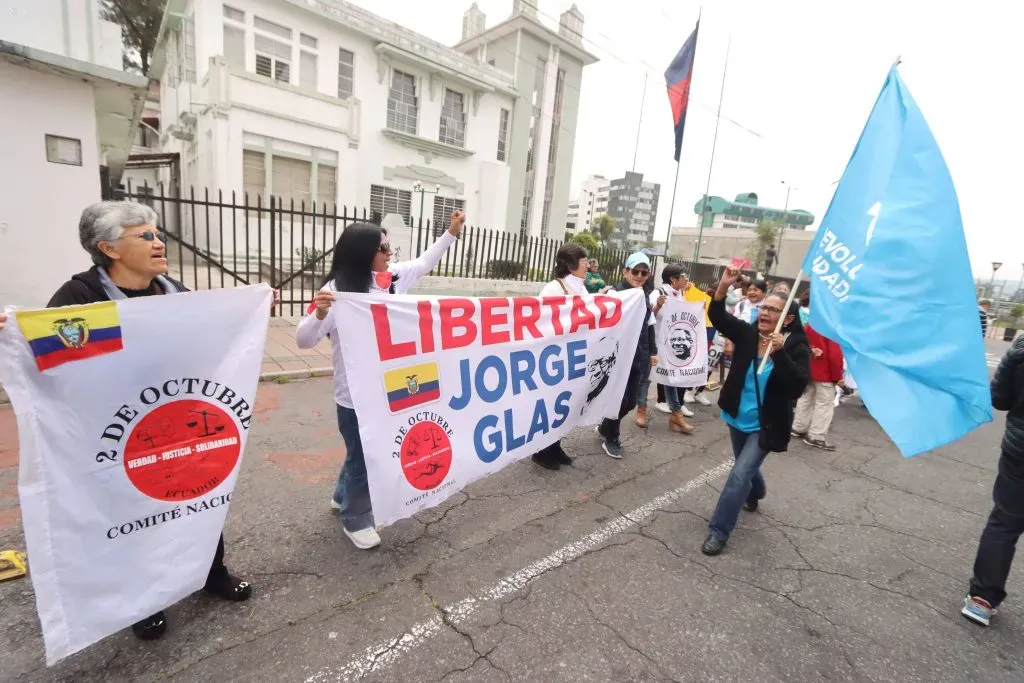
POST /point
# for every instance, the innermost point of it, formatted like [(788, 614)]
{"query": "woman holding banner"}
[(130, 261), (360, 265), (756, 405), (571, 266)]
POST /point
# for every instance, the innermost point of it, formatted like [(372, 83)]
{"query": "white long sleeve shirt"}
[(574, 285), (311, 329)]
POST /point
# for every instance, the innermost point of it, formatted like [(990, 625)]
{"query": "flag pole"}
[(782, 318), (711, 165), (639, 123), (672, 209)]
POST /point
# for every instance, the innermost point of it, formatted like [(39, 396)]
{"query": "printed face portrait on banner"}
[(681, 341), (599, 367)]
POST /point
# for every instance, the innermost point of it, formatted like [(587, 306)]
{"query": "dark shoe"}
[(150, 628), (613, 449), (750, 506), (229, 588), (561, 457), (797, 435), (819, 443), (713, 546), (545, 462)]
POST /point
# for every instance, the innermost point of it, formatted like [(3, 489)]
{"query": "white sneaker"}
[(335, 505), (703, 400), (663, 407), (364, 539), (688, 397), (686, 411)]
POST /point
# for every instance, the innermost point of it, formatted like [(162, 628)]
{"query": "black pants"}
[(217, 569), (999, 539), (661, 394), (610, 428)]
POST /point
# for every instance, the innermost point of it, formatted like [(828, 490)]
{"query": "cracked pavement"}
[(853, 569)]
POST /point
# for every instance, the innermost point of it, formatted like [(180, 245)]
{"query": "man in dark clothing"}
[(1006, 521), (635, 274), (984, 306)]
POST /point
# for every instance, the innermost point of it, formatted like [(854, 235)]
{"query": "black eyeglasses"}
[(641, 272), (385, 248), (149, 236)]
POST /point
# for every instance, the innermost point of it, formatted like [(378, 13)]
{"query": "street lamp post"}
[(417, 186), (996, 265), (782, 231)]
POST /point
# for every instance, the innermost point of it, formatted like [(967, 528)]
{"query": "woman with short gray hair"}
[(129, 253)]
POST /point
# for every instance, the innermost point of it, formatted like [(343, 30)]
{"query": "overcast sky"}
[(802, 78)]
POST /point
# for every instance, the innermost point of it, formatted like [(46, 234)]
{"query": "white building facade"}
[(68, 110), (591, 203), (320, 101)]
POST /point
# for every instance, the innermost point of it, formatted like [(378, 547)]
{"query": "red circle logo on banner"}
[(426, 456), (181, 450)]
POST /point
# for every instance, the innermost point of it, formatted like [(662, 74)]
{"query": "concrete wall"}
[(71, 28), (464, 286), (41, 202), (722, 244)]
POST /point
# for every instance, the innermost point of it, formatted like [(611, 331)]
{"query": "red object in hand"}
[(384, 279), (312, 307), (739, 263)]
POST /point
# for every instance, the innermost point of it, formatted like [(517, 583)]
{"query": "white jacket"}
[(311, 329)]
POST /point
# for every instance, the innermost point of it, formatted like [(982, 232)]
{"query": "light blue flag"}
[(891, 282)]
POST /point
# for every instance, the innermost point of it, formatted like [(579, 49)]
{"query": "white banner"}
[(132, 418), (448, 390), (682, 344)]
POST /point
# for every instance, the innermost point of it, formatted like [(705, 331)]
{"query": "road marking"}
[(386, 653), (992, 360)]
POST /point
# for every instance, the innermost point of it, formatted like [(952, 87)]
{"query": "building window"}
[(307, 70), (385, 200), (402, 103), (443, 208), (503, 134), (188, 35), (453, 119), (308, 41), (556, 127), (234, 14), (346, 73), (535, 117), (273, 59), (234, 46), (272, 28), (288, 179)]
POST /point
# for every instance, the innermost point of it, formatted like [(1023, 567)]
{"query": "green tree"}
[(140, 23), (766, 234), (603, 227), (587, 239), (1017, 311)]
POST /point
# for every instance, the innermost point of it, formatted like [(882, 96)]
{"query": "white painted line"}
[(385, 654)]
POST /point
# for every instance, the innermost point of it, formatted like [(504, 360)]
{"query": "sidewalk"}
[(283, 359)]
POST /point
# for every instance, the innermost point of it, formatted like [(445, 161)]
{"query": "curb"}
[(283, 376)]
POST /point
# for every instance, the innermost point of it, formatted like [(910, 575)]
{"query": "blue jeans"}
[(353, 490), (671, 395), (745, 483)]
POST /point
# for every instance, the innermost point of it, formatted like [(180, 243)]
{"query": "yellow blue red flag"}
[(62, 335)]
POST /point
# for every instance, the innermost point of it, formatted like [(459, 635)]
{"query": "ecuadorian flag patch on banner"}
[(412, 386), (62, 335)]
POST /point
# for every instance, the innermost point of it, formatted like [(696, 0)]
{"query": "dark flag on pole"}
[(677, 78)]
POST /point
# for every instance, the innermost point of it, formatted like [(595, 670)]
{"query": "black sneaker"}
[(561, 457), (612, 448), (229, 588), (150, 628), (713, 546), (750, 506)]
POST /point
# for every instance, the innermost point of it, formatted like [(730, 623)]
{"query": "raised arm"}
[(732, 327), (407, 272)]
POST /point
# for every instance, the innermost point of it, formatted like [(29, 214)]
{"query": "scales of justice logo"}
[(181, 450)]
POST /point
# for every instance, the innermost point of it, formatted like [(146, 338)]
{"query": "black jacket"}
[(1008, 394), (791, 372), (646, 346), (86, 288)]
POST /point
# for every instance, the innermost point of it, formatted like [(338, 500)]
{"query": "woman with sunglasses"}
[(128, 253), (634, 275), (360, 265), (757, 406)]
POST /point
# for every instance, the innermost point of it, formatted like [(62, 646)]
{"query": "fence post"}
[(273, 247)]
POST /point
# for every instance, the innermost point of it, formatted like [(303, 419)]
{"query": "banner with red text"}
[(449, 390), (132, 418)]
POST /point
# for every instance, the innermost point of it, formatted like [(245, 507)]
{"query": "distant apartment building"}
[(633, 204), (591, 203), (323, 101)]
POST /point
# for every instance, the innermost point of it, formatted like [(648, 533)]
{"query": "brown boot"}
[(678, 423), (641, 417)]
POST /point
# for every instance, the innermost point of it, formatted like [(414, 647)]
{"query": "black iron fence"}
[(223, 240)]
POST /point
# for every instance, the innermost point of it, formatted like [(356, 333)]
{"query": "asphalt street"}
[(854, 569)]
